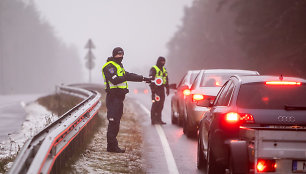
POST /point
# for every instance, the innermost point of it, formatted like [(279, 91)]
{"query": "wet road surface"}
[(183, 149)]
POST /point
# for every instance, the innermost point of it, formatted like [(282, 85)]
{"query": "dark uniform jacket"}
[(110, 72)]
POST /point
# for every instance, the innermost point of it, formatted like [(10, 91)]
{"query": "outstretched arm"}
[(133, 77)]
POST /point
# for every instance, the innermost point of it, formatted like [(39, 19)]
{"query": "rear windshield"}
[(216, 79), (262, 96)]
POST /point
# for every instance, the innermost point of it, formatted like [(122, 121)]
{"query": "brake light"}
[(186, 92), (233, 117), (283, 83), (247, 118), (197, 97), (265, 165)]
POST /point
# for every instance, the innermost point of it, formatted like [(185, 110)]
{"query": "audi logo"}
[(286, 119)]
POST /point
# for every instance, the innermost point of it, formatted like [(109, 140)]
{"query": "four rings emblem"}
[(286, 119)]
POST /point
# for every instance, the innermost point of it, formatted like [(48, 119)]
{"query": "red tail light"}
[(233, 117), (283, 83), (186, 92), (265, 165), (197, 97), (248, 118)]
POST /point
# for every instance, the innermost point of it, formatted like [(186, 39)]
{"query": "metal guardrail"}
[(39, 154)]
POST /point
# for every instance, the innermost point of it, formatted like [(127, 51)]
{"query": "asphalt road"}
[(166, 148)]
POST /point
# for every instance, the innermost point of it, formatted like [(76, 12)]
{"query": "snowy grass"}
[(93, 158), (37, 118)]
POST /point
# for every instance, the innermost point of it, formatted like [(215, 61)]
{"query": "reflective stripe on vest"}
[(162, 74), (120, 72)]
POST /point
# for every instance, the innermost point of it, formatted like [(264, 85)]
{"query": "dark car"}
[(247, 101), (178, 99), (207, 84)]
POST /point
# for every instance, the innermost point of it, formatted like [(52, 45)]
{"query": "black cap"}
[(117, 50), (161, 58)]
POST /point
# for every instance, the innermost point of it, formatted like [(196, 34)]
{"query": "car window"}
[(192, 77), (228, 95), (222, 94), (194, 83), (182, 81), (262, 96), (216, 79)]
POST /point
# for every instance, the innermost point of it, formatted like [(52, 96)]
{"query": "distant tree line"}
[(267, 36), (32, 58)]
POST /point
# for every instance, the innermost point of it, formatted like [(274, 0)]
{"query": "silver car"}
[(207, 84), (178, 99)]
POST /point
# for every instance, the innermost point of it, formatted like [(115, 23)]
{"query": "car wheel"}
[(191, 132), (201, 161), (180, 120), (173, 118), (231, 166), (173, 121), (185, 126), (212, 165)]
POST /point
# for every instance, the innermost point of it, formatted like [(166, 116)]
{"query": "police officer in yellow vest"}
[(159, 73), (115, 80)]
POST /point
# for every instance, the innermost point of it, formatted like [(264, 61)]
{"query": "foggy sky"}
[(141, 27)]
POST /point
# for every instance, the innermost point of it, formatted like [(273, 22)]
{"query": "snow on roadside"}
[(37, 118)]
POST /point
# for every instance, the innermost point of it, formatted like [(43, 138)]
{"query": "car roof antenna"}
[(281, 77)]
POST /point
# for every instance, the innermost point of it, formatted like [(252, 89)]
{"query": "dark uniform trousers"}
[(157, 106), (114, 105)]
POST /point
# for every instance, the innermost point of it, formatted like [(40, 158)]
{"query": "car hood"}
[(211, 91), (276, 117)]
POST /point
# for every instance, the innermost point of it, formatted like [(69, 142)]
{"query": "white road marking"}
[(172, 168)]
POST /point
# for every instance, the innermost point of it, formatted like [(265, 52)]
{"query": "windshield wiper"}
[(295, 107)]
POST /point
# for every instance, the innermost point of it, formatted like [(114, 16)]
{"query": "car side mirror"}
[(208, 102), (172, 86)]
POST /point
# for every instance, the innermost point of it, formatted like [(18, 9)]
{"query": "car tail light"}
[(265, 165), (233, 117), (283, 83), (247, 118), (197, 97), (186, 92)]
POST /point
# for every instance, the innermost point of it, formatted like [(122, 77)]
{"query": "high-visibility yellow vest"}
[(161, 74), (120, 72)]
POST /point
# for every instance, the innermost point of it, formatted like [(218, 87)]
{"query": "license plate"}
[(298, 166)]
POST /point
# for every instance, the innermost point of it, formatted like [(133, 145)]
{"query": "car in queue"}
[(263, 117), (206, 85), (178, 99)]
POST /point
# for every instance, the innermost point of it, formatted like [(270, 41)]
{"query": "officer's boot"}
[(159, 119)]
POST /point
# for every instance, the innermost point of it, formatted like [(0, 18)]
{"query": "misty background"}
[(42, 41)]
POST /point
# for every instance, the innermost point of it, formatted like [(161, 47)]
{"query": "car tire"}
[(190, 131), (180, 121), (231, 166), (212, 166), (201, 161), (173, 120)]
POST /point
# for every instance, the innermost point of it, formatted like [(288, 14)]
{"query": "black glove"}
[(147, 80)]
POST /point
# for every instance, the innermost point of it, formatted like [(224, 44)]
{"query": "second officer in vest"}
[(115, 80), (159, 73)]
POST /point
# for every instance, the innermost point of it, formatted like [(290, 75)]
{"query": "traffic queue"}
[(244, 122)]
